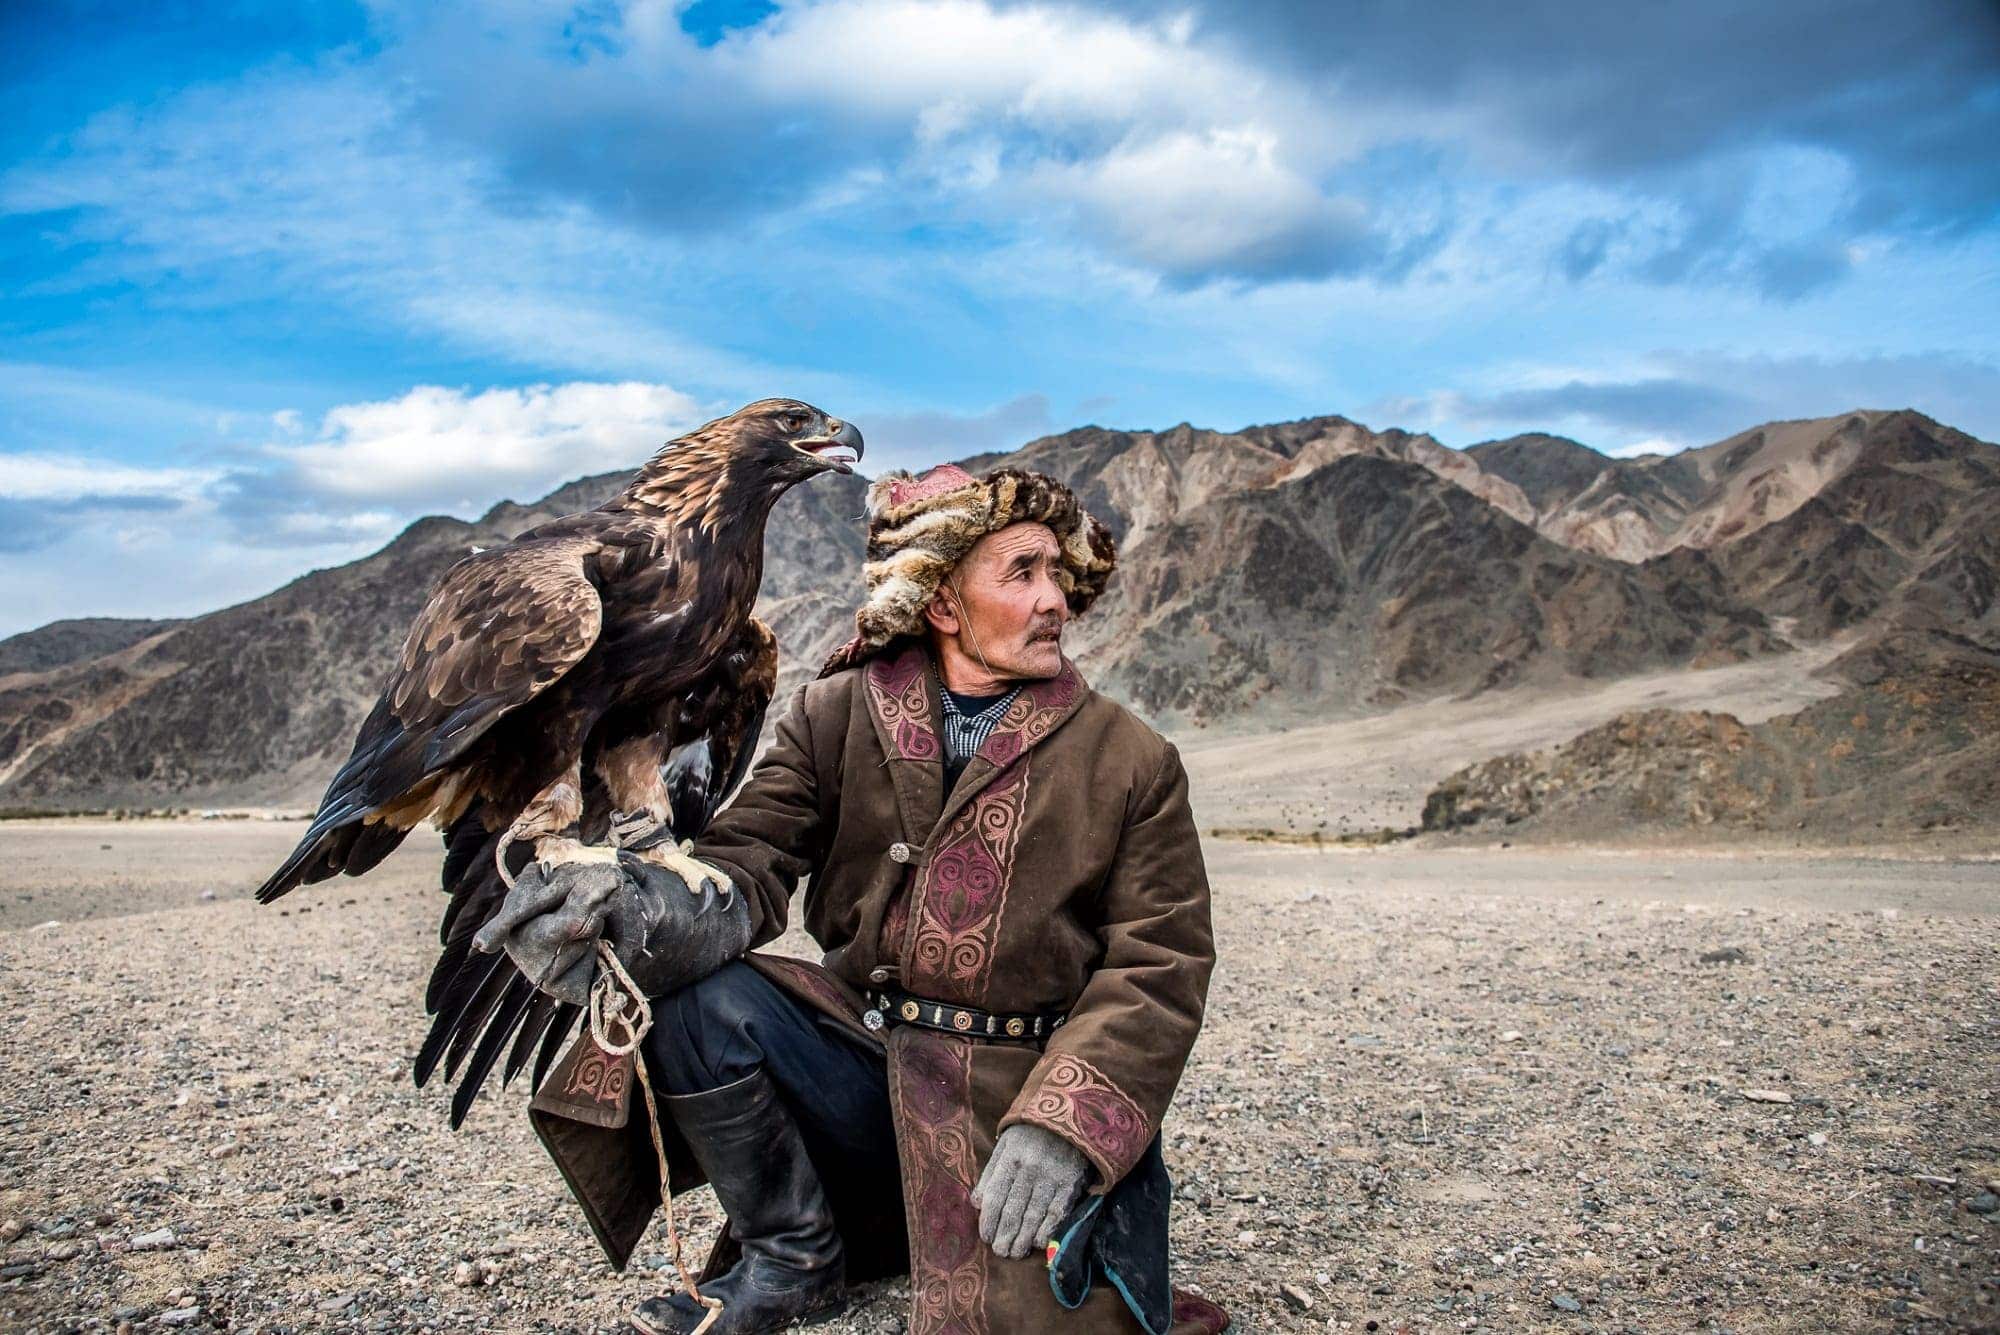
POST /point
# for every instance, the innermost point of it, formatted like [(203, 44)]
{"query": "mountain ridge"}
[(1301, 568)]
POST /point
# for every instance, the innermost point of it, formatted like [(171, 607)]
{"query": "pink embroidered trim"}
[(810, 982), (931, 1077), (1034, 713), (901, 698), (1079, 1103), (964, 891)]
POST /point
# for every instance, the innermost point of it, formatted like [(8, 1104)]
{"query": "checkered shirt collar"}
[(965, 733)]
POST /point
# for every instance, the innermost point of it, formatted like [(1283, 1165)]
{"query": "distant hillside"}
[(257, 703), (63, 642), (1299, 569), (1917, 753), (1366, 582)]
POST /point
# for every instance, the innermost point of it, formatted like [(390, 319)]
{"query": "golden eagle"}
[(602, 667)]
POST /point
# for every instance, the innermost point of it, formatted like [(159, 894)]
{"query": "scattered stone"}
[(11, 1230), (1298, 1298), (159, 1240), (1984, 1203), (340, 1302), (1767, 1096), (228, 1149), (18, 1270), (1726, 955), (179, 1316), (1281, 1112), (1562, 1302)]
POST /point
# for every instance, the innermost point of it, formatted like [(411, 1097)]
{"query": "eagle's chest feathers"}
[(673, 607)]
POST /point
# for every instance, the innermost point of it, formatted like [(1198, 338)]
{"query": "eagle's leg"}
[(550, 819), (643, 811)]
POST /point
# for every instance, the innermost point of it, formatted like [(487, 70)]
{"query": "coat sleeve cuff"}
[(1075, 1100), (761, 928)]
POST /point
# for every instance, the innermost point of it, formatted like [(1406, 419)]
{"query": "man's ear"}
[(941, 612)]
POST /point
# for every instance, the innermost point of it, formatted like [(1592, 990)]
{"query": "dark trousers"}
[(736, 1022)]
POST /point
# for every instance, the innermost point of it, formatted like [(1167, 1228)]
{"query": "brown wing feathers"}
[(503, 625)]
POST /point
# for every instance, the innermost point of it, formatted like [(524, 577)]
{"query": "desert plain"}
[(1444, 1084), (1439, 1088)]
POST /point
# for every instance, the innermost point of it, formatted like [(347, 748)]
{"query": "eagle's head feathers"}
[(786, 430), (751, 456)]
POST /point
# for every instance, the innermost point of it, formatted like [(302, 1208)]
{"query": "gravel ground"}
[(1437, 1091)]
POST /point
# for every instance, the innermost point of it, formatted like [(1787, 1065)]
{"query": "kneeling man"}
[(1007, 885)]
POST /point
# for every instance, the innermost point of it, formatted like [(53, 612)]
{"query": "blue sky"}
[(279, 278)]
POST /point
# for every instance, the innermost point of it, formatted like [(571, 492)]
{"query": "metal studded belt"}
[(886, 1008)]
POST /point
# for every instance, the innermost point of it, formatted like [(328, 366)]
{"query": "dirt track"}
[(1438, 1090)]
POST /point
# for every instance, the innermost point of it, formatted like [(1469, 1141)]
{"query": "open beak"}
[(839, 448)]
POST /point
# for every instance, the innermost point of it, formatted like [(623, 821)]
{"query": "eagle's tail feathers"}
[(552, 1042), (519, 996), (533, 1026), (466, 849), (482, 1004), (459, 993)]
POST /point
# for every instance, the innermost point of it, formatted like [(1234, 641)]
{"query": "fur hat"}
[(919, 528)]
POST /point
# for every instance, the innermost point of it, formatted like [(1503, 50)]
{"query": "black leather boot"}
[(793, 1265)]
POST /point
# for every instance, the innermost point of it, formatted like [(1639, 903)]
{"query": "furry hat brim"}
[(920, 527)]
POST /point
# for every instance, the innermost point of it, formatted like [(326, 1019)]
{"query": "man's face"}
[(1013, 611)]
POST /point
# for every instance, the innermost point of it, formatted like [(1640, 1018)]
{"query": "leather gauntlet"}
[(664, 934)]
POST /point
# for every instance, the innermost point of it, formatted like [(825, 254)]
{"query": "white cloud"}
[(435, 444), (1011, 114), (58, 477), (170, 540), (1222, 200), (1171, 155)]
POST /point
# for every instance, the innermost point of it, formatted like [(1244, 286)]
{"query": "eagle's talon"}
[(562, 851), (698, 876)]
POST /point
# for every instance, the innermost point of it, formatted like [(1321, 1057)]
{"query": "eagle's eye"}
[(794, 422)]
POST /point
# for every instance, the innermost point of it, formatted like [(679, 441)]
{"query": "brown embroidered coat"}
[(1063, 872)]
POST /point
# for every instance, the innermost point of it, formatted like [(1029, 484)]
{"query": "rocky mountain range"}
[(1293, 570)]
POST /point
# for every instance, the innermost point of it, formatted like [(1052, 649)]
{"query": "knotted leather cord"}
[(616, 1000)]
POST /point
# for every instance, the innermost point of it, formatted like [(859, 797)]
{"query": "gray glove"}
[(1030, 1183), (665, 935)]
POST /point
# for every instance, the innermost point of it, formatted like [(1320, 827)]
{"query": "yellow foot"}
[(682, 863), (554, 852)]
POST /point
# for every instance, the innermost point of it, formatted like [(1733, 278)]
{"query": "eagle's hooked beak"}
[(839, 448)]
